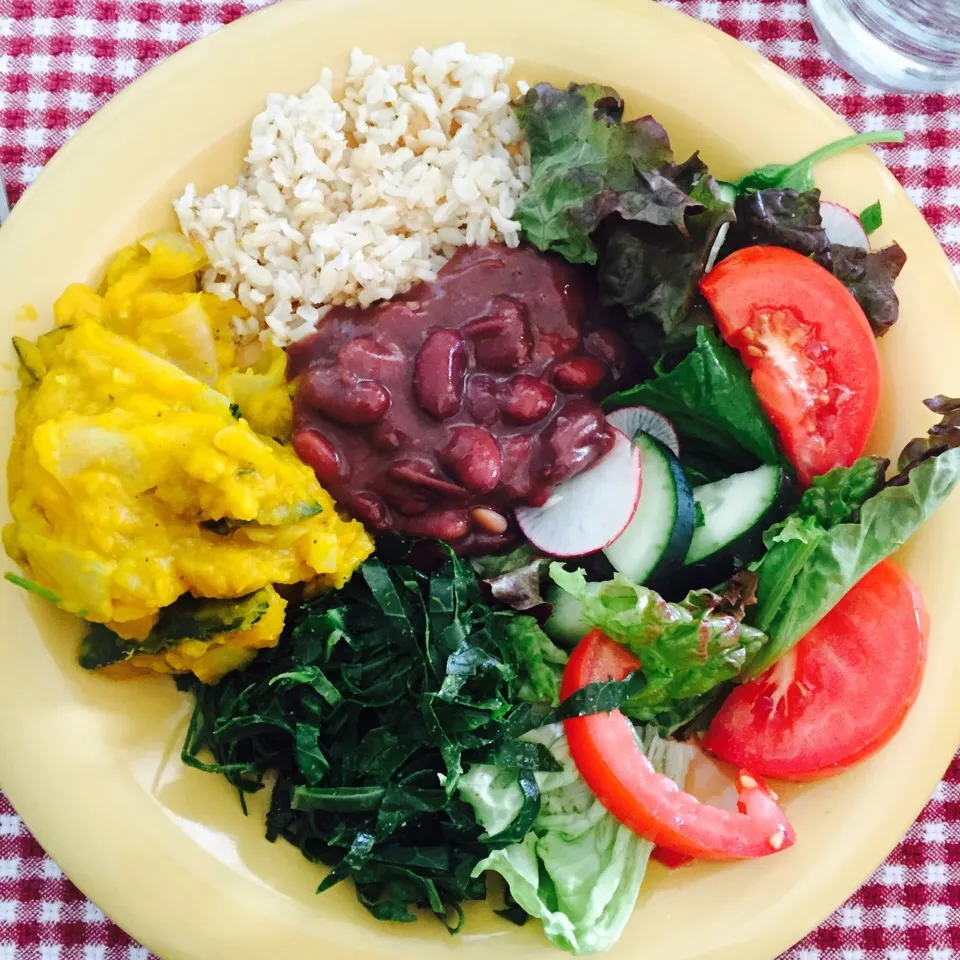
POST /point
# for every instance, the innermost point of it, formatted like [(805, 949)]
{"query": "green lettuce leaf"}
[(808, 568), (838, 494), (686, 649), (587, 165), (578, 870), (608, 192), (710, 401), (540, 662)]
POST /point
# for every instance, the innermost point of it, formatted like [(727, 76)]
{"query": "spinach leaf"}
[(869, 275), (710, 401), (799, 175), (871, 218), (101, 646), (808, 567)]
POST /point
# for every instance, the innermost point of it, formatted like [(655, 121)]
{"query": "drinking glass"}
[(899, 45)]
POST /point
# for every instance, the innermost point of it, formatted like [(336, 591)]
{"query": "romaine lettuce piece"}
[(578, 870)]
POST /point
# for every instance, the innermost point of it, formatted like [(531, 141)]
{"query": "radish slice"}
[(634, 420), (589, 511), (842, 225), (717, 245)]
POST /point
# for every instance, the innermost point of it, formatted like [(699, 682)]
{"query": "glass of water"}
[(895, 44)]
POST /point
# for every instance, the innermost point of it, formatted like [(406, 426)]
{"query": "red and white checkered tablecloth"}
[(60, 60)]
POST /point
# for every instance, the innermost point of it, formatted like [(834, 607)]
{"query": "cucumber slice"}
[(727, 191), (660, 532), (565, 625), (734, 508)]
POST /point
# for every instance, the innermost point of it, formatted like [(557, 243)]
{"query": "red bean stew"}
[(435, 413)]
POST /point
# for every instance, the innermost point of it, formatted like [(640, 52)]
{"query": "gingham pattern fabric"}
[(60, 60)]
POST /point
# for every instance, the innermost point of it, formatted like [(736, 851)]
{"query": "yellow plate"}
[(93, 765)]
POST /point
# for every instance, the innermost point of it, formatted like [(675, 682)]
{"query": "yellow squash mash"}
[(136, 475)]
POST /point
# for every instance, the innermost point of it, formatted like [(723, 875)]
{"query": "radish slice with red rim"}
[(640, 419), (589, 511), (842, 225)]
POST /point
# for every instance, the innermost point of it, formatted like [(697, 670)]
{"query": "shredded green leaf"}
[(871, 218), (376, 700), (32, 587)]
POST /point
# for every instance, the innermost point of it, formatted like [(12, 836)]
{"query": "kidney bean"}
[(369, 509), (516, 474), (316, 451), (576, 437), (443, 525), (473, 457), (502, 340), (371, 358), (526, 399), (345, 399), (578, 374), (438, 372), (419, 473), (483, 398), (552, 345), (385, 436), (612, 350), (538, 495), (406, 500), (489, 520)]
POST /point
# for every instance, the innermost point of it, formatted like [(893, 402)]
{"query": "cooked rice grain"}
[(354, 200)]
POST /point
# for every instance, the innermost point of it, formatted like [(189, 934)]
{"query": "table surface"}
[(60, 60)]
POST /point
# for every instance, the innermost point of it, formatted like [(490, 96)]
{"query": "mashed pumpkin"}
[(137, 475)]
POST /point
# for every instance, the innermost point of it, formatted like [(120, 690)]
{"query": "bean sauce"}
[(435, 413)]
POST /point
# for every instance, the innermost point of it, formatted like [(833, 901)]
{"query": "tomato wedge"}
[(809, 347), (840, 694), (604, 748)]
